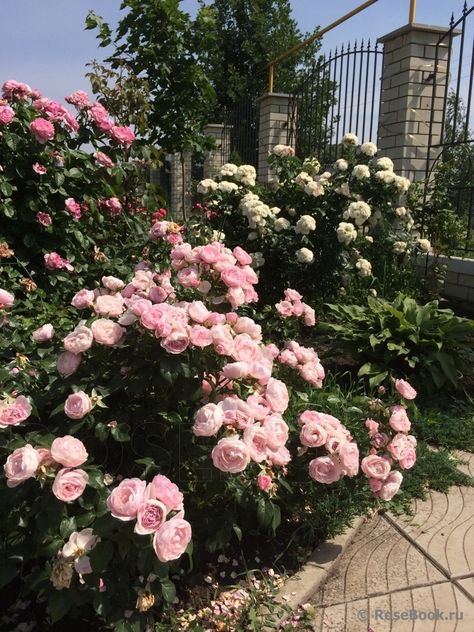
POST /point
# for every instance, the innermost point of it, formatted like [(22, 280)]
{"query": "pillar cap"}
[(278, 95), (426, 28)]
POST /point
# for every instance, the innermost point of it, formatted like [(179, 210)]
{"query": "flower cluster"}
[(158, 510), (390, 443), (13, 411), (73, 555), (258, 418), (258, 214), (305, 360), (294, 306), (322, 430), (60, 461), (166, 231)]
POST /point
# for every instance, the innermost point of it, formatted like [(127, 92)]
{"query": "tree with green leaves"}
[(240, 37), (158, 43)]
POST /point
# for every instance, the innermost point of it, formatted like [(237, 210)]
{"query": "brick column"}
[(273, 129), (220, 155), (407, 96)]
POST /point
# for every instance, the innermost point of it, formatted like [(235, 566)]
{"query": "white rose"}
[(364, 268), (346, 233), (360, 172), (384, 163), (206, 186), (283, 150), (304, 255), (350, 140), (305, 225), (227, 187), (228, 170), (341, 164), (281, 224), (258, 260), (424, 245), (369, 149), (314, 188)]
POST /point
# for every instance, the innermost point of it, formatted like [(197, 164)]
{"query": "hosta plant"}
[(431, 346)]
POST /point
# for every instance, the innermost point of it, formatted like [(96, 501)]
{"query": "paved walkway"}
[(406, 574)]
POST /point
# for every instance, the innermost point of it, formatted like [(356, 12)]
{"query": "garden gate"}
[(450, 162), (341, 93)]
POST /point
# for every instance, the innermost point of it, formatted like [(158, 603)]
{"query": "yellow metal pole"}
[(412, 16), (270, 78), (323, 31)]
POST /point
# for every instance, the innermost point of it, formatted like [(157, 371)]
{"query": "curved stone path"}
[(406, 573)]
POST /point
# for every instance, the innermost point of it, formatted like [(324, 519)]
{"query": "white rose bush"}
[(321, 230)]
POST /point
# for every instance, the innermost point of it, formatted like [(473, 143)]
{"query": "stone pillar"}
[(217, 157), (180, 186), (408, 96), (273, 129)]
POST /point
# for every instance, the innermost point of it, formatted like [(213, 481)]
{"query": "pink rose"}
[(375, 466), (313, 435), (399, 443), (12, 414), (122, 135), (284, 308), (208, 420), (242, 256), (44, 456), (44, 333), (68, 363), (280, 457), (112, 283), (167, 492), (126, 499), (408, 458), (233, 277), (79, 340), (77, 405), (230, 455), (69, 451), (109, 305), (399, 419), (198, 312), (405, 389), (103, 160), (73, 208), (276, 430), (372, 426), (222, 339), (106, 332), (79, 98), (246, 349), (325, 469), (21, 465), (39, 169), (348, 454), (150, 516), (42, 130), (172, 539), (6, 114), (6, 299), (379, 439), (69, 484), (264, 482), (176, 342), (245, 325), (83, 299), (276, 395), (210, 253), (200, 336), (390, 486), (189, 277), (309, 315), (44, 218), (255, 438)]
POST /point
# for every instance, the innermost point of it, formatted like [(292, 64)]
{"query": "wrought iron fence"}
[(450, 163), (339, 94)]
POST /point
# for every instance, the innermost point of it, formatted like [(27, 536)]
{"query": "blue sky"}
[(44, 42)]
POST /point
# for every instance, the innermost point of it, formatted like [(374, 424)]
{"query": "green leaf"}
[(101, 555), (67, 526), (168, 590), (59, 604), (121, 433)]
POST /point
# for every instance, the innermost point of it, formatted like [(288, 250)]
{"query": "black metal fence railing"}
[(340, 94), (450, 163)]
